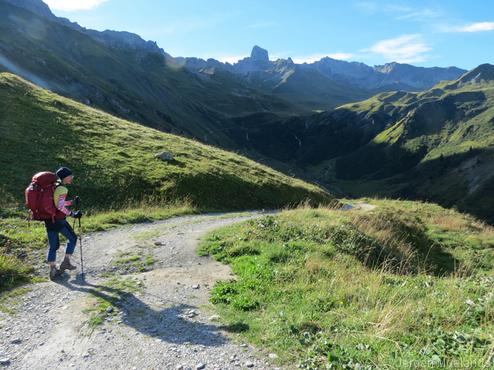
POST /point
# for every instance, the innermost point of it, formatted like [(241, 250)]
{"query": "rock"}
[(249, 364), (195, 286), (16, 341), (179, 367), (243, 345), (259, 54), (4, 361), (214, 318), (158, 243), (273, 356), (164, 156), (191, 313), (200, 366), (109, 309)]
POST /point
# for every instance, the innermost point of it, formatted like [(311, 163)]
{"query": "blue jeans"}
[(53, 229)]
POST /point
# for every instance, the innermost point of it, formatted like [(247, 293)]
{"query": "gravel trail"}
[(158, 317)]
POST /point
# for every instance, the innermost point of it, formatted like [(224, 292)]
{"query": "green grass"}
[(114, 160), (311, 287), (107, 297), (134, 262), (116, 173), (433, 145), (8, 299), (12, 272)]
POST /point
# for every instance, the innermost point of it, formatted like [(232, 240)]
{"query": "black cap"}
[(63, 172)]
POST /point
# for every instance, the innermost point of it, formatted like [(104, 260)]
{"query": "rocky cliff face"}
[(387, 77), (115, 39)]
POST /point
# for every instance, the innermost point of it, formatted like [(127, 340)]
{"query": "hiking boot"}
[(66, 265), (54, 272)]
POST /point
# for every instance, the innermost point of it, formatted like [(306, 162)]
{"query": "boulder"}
[(164, 156)]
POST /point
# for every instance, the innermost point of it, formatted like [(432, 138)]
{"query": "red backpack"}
[(39, 196)]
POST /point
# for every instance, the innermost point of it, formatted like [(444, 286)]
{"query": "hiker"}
[(59, 224)]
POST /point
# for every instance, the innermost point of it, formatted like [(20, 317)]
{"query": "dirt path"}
[(154, 319), (358, 206)]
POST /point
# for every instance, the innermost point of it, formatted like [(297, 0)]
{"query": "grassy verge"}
[(19, 239), (9, 299), (108, 298), (406, 285)]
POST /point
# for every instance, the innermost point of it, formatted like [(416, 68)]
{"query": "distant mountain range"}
[(320, 85), (341, 74)]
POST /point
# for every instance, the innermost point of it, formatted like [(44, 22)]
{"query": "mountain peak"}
[(35, 6), (259, 54), (484, 72)]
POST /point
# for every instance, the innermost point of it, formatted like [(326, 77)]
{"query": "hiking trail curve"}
[(143, 304)]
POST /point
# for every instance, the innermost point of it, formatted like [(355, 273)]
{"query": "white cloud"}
[(400, 12), (341, 56), (402, 49), (230, 58), (420, 14), (475, 27), (73, 5), (315, 57)]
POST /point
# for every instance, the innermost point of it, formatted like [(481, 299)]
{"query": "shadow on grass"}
[(238, 327), (166, 324)]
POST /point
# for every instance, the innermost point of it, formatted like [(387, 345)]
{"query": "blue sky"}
[(422, 32)]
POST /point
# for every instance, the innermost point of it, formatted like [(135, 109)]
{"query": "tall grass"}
[(361, 289)]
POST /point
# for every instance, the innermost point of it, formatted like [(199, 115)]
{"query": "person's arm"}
[(62, 204)]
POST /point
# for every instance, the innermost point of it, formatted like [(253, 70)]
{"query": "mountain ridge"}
[(189, 96), (386, 76), (109, 37)]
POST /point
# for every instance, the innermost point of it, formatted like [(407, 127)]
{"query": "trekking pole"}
[(80, 247), (77, 206)]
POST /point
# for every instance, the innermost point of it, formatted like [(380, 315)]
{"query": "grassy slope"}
[(115, 168), (407, 285), (114, 159), (440, 147), (311, 89)]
